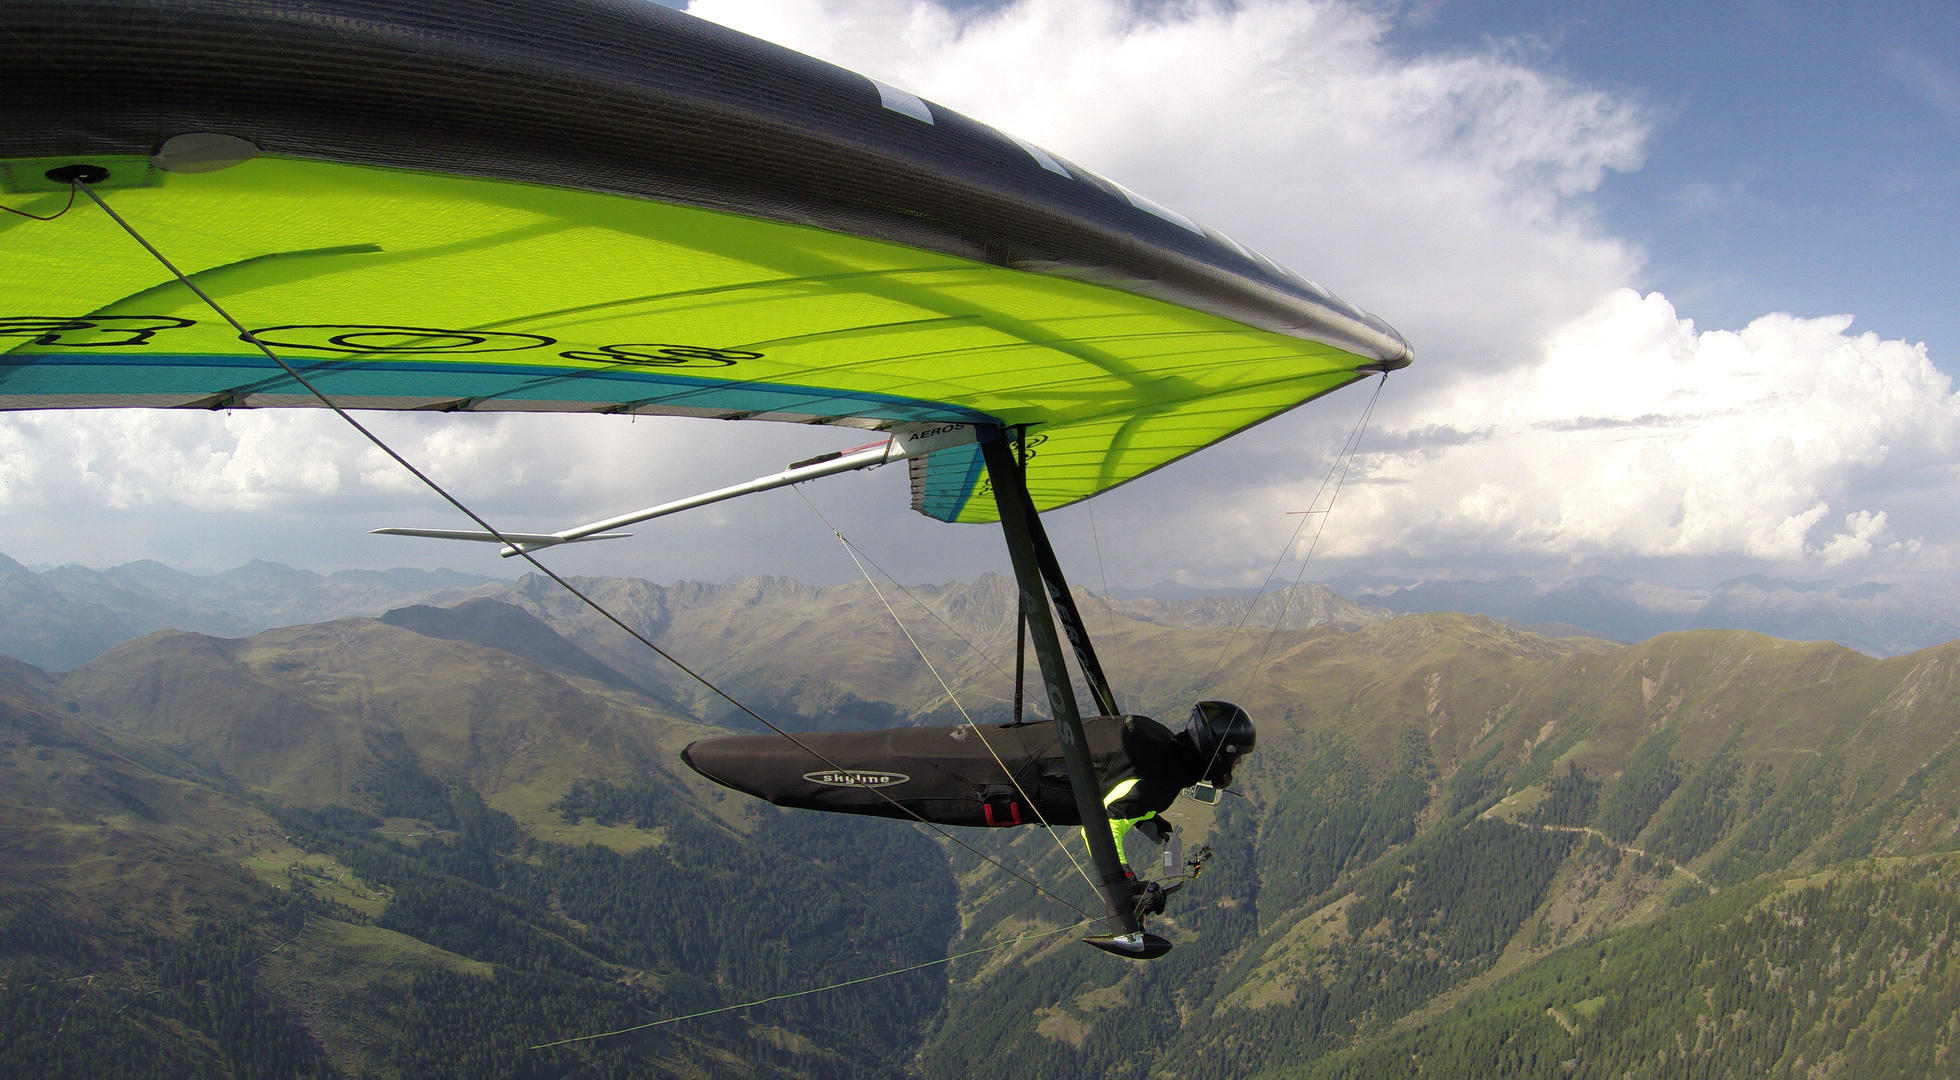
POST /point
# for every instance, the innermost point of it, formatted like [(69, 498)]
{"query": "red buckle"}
[(1013, 809)]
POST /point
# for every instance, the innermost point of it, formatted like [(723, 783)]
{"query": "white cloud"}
[(213, 490), (1637, 436), (1447, 193), (1866, 530), (129, 459)]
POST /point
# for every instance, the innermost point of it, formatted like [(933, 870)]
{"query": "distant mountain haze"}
[(303, 713), (42, 625), (106, 607), (109, 606), (1877, 618)]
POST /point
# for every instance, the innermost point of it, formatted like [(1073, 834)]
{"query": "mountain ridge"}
[(358, 897), (114, 604), (1877, 618), (1443, 812)]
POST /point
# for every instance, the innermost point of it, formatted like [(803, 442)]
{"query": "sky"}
[(1678, 277), (1802, 156)]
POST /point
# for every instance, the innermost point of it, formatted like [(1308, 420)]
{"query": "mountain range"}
[(64, 616), (345, 849), (1876, 618), (427, 843), (68, 615)]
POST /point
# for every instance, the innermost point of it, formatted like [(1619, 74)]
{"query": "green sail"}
[(758, 236)]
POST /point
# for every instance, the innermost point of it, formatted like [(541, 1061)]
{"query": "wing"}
[(568, 206)]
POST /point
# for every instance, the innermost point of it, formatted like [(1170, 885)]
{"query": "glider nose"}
[(715, 759), (761, 765)]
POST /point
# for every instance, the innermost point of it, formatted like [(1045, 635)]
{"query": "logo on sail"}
[(856, 778)]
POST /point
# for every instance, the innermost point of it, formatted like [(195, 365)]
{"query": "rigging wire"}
[(814, 990), (923, 606), (851, 550), (1352, 440), (1354, 451), (1343, 461), (1109, 608), (527, 556)]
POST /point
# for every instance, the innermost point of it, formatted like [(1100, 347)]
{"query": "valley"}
[(420, 844)]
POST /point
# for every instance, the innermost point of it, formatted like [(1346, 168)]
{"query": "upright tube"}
[(1022, 527)]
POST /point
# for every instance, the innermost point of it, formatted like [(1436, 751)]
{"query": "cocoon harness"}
[(965, 775)]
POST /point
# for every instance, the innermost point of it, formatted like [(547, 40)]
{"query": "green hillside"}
[(1446, 803), (1848, 972), (358, 857), (1463, 850)]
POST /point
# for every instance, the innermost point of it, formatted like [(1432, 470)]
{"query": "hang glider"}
[(586, 207), (576, 207)]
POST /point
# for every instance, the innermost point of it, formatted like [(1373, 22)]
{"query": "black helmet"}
[(1222, 733)]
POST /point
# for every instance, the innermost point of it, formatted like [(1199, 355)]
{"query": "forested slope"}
[(1445, 803), (329, 879), (1462, 850), (1848, 972)]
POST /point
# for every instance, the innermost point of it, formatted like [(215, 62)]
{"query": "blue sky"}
[(1805, 156)]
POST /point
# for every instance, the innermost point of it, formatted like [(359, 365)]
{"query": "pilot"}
[(1156, 765)]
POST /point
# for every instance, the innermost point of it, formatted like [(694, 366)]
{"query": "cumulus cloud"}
[(1864, 532), (212, 490), (1636, 435), (127, 459)]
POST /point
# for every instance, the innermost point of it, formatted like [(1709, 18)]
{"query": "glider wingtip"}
[(1394, 363)]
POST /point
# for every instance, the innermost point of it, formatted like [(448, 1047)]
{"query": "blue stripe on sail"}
[(72, 378), (951, 475)]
